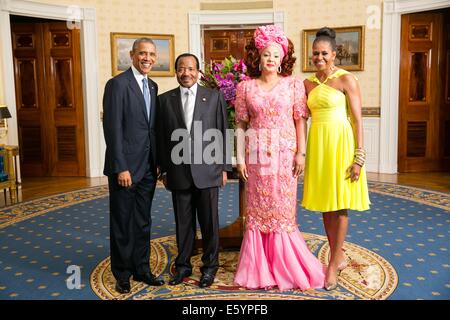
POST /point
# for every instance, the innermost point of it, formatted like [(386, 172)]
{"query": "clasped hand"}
[(297, 169), (353, 172), (299, 165), (124, 179), (242, 170)]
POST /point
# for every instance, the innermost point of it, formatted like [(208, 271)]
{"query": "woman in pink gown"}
[(270, 117)]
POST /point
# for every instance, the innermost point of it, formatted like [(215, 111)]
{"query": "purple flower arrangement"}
[(225, 76)]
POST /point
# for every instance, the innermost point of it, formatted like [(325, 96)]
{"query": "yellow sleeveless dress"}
[(330, 151)]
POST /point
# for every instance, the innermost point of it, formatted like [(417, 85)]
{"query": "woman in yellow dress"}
[(335, 179)]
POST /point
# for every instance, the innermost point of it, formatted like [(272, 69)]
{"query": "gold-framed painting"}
[(350, 48), (122, 43)]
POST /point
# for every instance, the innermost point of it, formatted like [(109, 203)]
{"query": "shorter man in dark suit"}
[(129, 108), (187, 112)]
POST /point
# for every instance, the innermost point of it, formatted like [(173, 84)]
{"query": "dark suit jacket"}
[(130, 137), (210, 109)]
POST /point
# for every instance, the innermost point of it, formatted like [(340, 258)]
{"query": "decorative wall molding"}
[(89, 59), (371, 137), (199, 19), (371, 112), (242, 5), (410, 6), (390, 65)]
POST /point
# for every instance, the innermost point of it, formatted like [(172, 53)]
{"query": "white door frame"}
[(197, 19), (390, 74), (89, 58)]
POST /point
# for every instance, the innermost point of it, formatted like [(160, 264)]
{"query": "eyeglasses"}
[(181, 69)]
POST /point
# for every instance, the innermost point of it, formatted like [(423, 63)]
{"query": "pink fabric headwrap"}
[(266, 35)]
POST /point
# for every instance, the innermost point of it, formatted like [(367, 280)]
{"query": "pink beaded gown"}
[(273, 252)]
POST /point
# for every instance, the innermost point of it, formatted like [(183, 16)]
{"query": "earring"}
[(259, 67), (332, 67), (279, 69)]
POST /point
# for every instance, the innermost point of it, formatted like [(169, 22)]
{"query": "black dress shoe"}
[(149, 279), (123, 286), (206, 280), (178, 277)]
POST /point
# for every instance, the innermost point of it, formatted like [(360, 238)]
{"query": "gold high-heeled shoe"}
[(330, 286), (342, 266), (333, 285)]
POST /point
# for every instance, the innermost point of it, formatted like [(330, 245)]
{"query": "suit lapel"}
[(152, 103), (177, 106), (137, 91), (201, 103)]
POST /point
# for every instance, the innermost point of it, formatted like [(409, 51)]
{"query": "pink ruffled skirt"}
[(277, 259)]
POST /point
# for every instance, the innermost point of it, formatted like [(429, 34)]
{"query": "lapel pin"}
[(203, 99)]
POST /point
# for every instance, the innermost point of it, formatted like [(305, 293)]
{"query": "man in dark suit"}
[(186, 115), (129, 108)]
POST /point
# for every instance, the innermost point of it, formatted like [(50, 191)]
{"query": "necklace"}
[(319, 76)]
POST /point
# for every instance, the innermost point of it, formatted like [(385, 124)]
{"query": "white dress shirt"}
[(139, 77), (189, 109)]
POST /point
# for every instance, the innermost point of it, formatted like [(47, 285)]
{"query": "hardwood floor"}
[(437, 181), (39, 187)]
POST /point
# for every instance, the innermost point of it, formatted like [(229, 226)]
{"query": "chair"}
[(8, 172)]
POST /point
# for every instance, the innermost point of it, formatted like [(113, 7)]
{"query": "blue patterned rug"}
[(398, 249)]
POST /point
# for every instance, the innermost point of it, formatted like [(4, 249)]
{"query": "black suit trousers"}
[(188, 205), (130, 224)]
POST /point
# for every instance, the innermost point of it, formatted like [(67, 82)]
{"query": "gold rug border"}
[(105, 193)]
